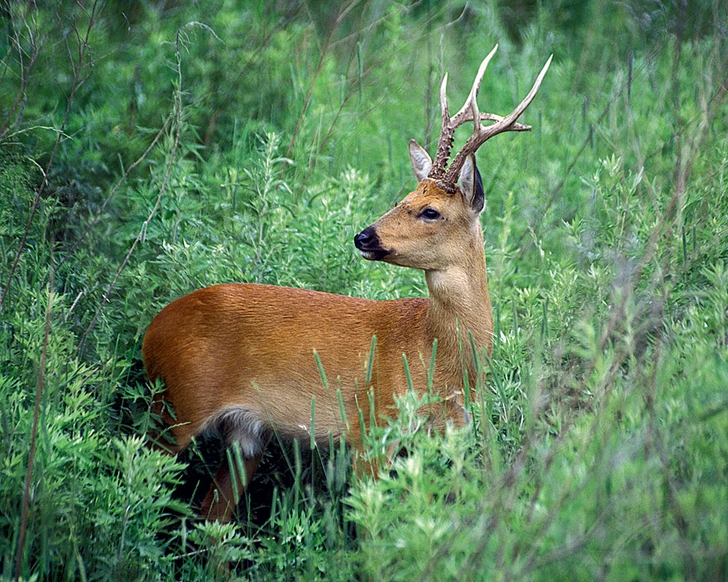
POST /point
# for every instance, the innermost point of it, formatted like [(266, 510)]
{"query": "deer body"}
[(241, 358), (249, 349)]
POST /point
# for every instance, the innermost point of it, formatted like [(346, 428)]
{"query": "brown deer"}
[(244, 359)]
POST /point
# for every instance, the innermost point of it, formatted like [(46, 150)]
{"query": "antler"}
[(469, 112)]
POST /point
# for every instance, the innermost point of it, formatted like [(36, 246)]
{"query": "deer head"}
[(432, 226)]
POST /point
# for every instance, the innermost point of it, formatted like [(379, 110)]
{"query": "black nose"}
[(366, 239)]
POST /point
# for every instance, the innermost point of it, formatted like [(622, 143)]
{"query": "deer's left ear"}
[(421, 161), (471, 185)]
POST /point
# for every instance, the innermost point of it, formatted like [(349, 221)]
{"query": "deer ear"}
[(471, 185), (421, 160)]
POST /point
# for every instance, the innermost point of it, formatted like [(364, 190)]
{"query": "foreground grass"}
[(599, 447)]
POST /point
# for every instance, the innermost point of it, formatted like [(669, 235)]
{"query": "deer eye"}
[(430, 214)]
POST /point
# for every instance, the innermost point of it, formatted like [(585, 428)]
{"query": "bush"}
[(148, 149)]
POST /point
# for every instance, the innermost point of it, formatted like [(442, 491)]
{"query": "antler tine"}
[(481, 134), (471, 103), (444, 144), (443, 99), (522, 106)]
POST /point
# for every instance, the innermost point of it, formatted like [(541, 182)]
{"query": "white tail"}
[(240, 357)]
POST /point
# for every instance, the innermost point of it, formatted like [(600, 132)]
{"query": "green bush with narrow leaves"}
[(151, 148)]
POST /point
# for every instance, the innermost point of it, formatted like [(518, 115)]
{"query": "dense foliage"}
[(150, 148)]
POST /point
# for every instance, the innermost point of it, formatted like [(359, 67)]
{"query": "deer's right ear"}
[(421, 160), (471, 184)]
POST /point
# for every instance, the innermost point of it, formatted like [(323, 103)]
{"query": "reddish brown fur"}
[(253, 346), (250, 348)]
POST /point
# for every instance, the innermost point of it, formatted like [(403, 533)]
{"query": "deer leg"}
[(227, 487), (249, 436)]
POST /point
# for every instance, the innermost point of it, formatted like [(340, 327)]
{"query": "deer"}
[(245, 359)]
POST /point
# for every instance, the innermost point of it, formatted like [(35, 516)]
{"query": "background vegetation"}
[(150, 148)]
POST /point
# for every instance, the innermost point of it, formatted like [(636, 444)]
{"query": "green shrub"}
[(149, 149)]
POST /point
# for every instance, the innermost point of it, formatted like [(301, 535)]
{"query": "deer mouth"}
[(374, 255)]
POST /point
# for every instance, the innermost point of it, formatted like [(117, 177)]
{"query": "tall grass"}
[(147, 150)]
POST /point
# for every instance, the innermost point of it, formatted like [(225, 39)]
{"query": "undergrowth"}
[(149, 149)]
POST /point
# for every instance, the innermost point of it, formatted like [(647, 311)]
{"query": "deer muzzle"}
[(369, 245)]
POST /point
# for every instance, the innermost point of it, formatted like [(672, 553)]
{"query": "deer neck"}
[(460, 308)]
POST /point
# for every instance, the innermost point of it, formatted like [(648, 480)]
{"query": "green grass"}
[(147, 150)]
